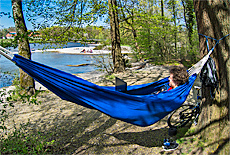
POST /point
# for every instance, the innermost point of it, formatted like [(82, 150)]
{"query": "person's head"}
[(178, 76)]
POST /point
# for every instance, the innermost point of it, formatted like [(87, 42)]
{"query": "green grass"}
[(18, 142)]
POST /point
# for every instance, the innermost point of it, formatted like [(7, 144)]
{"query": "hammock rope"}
[(6, 53), (195, 69)]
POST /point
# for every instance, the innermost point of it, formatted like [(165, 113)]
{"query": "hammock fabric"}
[(137, 106)]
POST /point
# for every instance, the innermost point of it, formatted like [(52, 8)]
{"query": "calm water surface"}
[(9, 70)]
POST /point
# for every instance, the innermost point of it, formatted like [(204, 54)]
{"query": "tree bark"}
[(175, 24), (213, 18), (189, 18), (115, 37), (26, 82), (163, 51)]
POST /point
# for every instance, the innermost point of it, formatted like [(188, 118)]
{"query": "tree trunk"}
[(175, 24), (213, 20), (189, 18), (26, 82), (163, 51), (115, 37)]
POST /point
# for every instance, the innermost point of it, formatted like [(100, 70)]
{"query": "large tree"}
[(115, 37), (189, 18), (26, 82), (213, 19)]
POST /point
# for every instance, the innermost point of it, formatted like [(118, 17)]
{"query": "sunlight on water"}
[(52, 59)]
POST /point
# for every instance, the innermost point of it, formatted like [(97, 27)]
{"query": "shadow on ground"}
[(78, 130)]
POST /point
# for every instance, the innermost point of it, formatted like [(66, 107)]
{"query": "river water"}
[(9, 70)]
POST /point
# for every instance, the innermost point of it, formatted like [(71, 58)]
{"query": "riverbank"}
[(91, 50), (78, 130)]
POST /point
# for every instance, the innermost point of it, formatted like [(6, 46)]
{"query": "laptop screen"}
[(121, 85)]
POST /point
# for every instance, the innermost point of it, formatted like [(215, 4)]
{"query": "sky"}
[(5, 22)]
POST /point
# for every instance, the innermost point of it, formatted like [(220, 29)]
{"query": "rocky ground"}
[(78, 130)]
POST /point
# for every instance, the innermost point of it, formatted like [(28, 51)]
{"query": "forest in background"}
[(158, 31)]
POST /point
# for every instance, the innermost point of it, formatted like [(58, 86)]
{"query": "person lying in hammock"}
[(178, 76)]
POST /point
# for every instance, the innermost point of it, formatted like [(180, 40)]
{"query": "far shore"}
[(90, 50), (86, 50)]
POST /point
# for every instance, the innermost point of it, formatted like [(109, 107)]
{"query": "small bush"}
[(99, 47), (20, 143)]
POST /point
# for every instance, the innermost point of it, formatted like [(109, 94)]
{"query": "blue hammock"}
[(137, 106)]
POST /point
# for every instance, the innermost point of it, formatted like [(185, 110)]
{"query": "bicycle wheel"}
[(181, 116)]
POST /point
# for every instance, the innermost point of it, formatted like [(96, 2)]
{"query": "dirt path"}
[(78, 130)]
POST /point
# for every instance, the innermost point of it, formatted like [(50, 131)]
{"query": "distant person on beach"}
[(83, 51)]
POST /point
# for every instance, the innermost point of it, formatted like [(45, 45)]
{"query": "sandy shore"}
[(90, 50), (86, 50)]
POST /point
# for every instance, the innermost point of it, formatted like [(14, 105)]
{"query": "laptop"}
[(121, 85)]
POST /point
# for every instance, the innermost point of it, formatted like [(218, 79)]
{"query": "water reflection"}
[(55, 60)]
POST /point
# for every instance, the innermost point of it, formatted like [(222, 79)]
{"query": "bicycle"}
[(185, 113)]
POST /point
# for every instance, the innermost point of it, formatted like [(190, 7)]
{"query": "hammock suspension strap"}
[(217, 41), (199, 65)]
